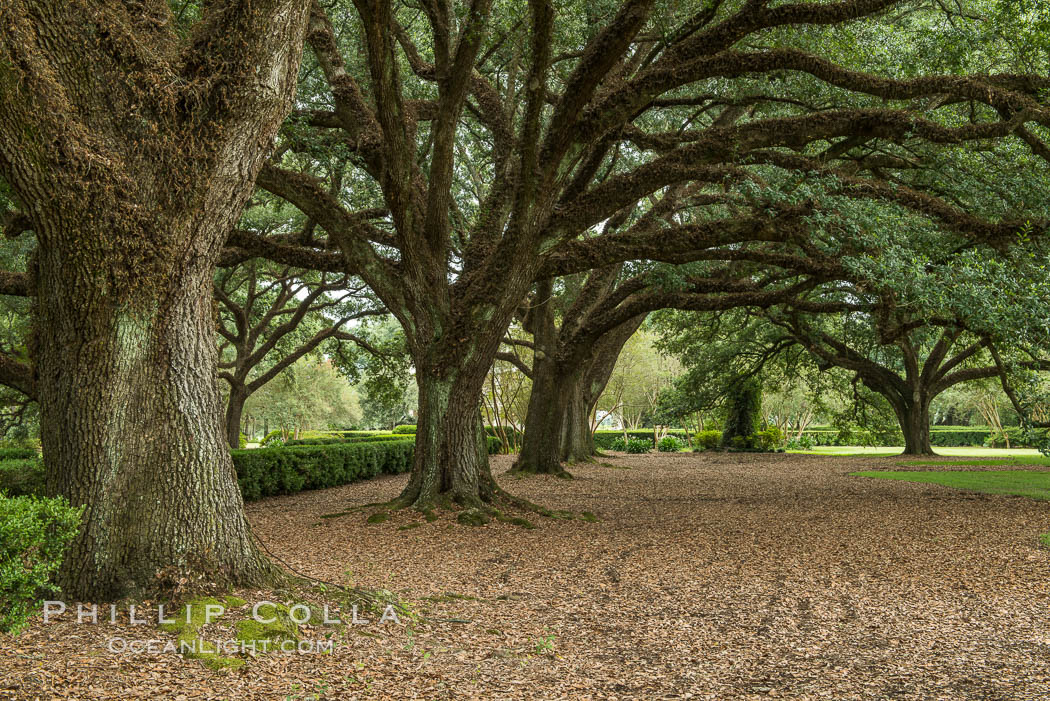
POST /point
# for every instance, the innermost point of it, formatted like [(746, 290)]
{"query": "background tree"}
[(309, 394), (271, 316)]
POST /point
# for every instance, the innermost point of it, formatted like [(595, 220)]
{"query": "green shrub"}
[(405, 428), (618, 445), (287, 470), (604, 440), (34, 536), (707, 440), (745, 405), (638, 446), (669, 444), (768, 440), (242, 441), (330, 440), (740, 443), (802, 443), (22, 477)]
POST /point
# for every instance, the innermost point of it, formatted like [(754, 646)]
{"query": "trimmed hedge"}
[(267, 472), (605, 439), (405, 428), (362, 439), (270, 471), (34, 536), (276, 435), (944, 437)]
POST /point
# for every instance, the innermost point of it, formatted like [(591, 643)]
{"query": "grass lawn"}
[(889, 451), (1035, 485), (1023, 483)]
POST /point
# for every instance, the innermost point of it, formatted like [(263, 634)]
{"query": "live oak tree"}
[(130, 143), (909, 363), (271, 316), (498, 137), (578, 333)]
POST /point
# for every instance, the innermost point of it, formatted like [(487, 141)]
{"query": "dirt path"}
[(720, 577)]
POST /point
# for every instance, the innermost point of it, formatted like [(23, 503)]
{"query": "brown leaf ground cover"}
[(706, 576)]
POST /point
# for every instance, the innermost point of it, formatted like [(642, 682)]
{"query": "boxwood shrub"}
[(34, 536), (405, 428), (604, 440), (379, 438), (270, 471), (707, 440)]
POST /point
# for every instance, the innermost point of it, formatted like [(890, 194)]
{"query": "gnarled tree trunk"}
[(568, 377), (132, 151), (131, 423), (914, 419)]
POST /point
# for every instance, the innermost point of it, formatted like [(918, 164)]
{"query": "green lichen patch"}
[(514, 520), (472, 517), (409, 526), (378, 517), (588, 517), (272, 626), (187, 625), (337, 514)]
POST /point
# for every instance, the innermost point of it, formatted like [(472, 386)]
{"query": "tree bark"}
[(577, 438), (133, 151), (547, 419), (131, 427), (914, 419), (568, 378), (234, 414), (450, 466)]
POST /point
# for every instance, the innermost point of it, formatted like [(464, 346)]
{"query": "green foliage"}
[(405, 428), (707, 440), (638, 446), (333, 440), (609, 439), (669, 444), (17, 453), (270, 471), (286, 470), (22, 477), (745, 406), (804, 442), (953, 437), (242, 441), (34, 536), (307, 394), (769, 440)]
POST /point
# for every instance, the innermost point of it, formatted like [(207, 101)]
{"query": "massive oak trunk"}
[(131, 423), (451, 457), (914, 419), (132, 150), (568, 377), (546, 423)]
